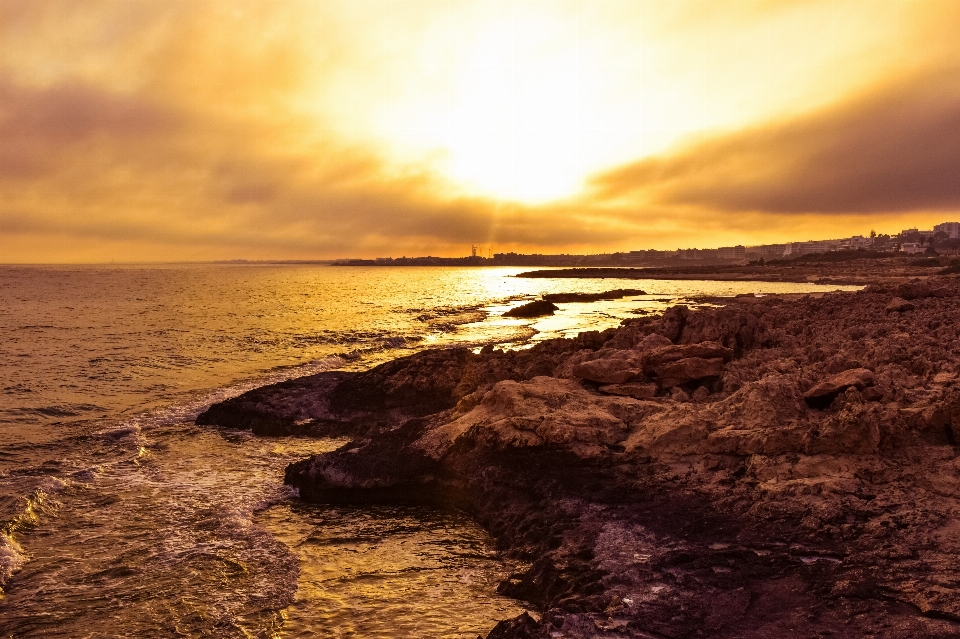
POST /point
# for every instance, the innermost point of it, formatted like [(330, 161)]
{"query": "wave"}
[(40, 503), (12, 558)]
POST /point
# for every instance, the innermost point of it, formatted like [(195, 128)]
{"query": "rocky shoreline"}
[(775, 467)]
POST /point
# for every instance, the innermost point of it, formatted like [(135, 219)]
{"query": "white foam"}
[(12, 558), (282, 494)]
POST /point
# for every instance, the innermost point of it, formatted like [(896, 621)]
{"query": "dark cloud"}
[(80, 161), (894, 149), (37, 125)]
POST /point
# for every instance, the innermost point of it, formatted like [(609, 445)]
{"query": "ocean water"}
[(120, 517)]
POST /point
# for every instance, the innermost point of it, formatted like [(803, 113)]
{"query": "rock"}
[(821, 395), (899, 305), (652, 341), (701, 393), (688, 369), (536, 308), (673, 321), (616, 294), (747, 512), (637, 390), (872, 394), (677, 394), (608, 371), (542, 412), (521, 627), (732, 327), (705, 350)]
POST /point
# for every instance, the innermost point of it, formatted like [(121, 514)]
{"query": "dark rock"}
[(536, 308), (521, 627), (616, 294)]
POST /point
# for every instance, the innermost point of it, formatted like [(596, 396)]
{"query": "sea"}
[(119, 517)]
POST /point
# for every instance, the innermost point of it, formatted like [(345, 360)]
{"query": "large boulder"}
[(823, 394)]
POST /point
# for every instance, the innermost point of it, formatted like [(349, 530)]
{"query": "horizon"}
[(174, 132), (480, 255)]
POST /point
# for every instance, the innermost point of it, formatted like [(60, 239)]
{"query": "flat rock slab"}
[(821, 395), (637, 390)]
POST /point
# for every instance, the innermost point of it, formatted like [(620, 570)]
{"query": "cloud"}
[(893, 149), (197, 130), (98, 166)]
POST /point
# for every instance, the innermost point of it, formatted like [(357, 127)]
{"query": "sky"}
[(193, 130)]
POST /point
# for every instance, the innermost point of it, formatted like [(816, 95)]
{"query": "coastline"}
[(718, 488), (861, 272)]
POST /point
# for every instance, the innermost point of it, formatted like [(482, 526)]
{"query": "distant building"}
[(855, 243), (698, 254), (952, 229), (768, 251), (796, 249), (738, 252), (911, 248)]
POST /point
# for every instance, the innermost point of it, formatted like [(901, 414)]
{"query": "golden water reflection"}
[(389, 572)]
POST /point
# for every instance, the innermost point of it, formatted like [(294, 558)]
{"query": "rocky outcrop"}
[(561, 298), (724, 507), (537, 308)]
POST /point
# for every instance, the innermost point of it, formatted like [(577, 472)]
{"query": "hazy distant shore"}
[(825, 271)]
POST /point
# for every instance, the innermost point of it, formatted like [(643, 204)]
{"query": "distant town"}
[(942, 239)]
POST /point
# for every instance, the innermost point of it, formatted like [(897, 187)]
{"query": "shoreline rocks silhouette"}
[(774, 467)]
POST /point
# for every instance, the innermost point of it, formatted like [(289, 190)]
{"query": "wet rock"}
[(560, 298), (821, 395), (521, 627), (537, 308), (899, 305)]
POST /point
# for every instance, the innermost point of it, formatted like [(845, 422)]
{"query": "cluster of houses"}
[(909, 241)]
